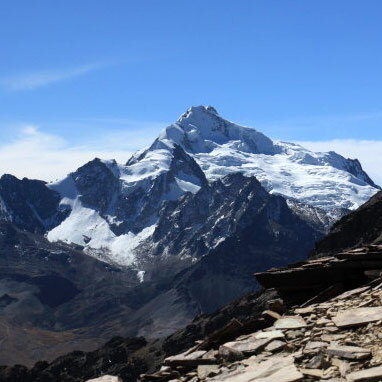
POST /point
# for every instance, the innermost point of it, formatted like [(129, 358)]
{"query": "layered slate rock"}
[(358, 316), (326, 274), (323, 349), (372, 374)]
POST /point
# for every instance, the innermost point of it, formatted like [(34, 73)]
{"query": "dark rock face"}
[(267, 235), (195, 223), (101, 189), (353, 166), (360, 227), (144, 204), (198, 224), (30, 204), (96, 184)]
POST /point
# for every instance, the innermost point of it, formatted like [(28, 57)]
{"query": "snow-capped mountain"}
[(116, 207), (220, 147), (116, 210), (193, 216)]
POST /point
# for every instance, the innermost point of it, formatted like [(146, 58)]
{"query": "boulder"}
[(205, 371), (348, 352), (369, 375)]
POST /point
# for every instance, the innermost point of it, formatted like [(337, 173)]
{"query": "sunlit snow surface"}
[(220, 148), (86, 227), (318, 185)]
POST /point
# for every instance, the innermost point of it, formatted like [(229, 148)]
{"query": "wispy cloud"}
[(367, 151), (34, 153), (34, 80)]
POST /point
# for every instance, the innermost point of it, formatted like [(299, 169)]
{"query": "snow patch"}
[(86, 227)]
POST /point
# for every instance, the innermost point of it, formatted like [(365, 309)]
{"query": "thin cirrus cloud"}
[(38, 79)]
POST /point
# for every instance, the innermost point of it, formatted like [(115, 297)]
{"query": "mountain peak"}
[(198, 111), (201, 130)]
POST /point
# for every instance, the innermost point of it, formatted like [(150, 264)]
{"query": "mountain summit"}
[(220, 147), (201, 130)]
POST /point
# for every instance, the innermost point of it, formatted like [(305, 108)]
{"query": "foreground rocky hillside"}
[(329, 330), (338, 339)]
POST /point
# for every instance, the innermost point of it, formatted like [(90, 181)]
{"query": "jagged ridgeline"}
[(176, 231)]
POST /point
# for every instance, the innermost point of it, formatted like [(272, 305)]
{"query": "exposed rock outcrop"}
[(337, 339)]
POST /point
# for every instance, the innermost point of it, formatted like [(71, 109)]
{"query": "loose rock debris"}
[(336, 340)]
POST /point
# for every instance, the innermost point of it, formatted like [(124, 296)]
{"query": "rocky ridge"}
[(332, 337)]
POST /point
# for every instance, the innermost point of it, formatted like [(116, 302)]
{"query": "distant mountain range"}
[(180, 228)]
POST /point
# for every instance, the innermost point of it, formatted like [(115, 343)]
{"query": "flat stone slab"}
[(358, 316), (105, 378), (272, 334), (189, 358), (307, 310), (205, 371), (272, 314), (255, 342), (187, 355), (275, 369), (275, 345), (313, 372), (348, 352), (249, 346), (312, 346), (372, 374), (290, 322), (322, 321), (352, 292)]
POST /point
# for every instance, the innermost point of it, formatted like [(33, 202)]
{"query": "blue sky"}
[(97, 76)]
